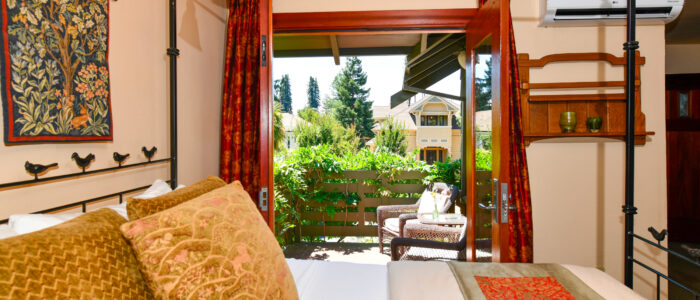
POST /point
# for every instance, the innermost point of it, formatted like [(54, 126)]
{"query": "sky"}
[(384, 77)]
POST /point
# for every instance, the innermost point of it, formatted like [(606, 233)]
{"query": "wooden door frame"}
[(341, 22), (488, 23), (266, 112)]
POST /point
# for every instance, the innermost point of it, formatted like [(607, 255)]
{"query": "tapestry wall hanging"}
[(55, 79)]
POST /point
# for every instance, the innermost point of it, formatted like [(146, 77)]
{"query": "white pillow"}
[(427, 202), (26, 223), (6, 231), (159, 187), (120, 209)]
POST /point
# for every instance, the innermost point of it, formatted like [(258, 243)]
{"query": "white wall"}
[(683, 59), (139, 86)]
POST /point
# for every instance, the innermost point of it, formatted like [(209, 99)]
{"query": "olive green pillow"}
[(139, 208), (84, 258), (216, 246)]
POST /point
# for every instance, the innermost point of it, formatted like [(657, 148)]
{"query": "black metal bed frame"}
[(36, 169), (629, 209)]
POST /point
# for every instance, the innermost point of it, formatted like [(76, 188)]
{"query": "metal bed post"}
[(628, 209), (173, 52)]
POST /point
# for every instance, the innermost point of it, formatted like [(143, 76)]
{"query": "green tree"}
[(392, 136), (318, 129), (313, 93), (277, 127), (483, 89), (276, 90), (353, 107), (284, 93)]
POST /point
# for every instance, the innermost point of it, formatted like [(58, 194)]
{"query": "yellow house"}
[(431, 126)]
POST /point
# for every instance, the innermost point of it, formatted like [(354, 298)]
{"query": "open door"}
[(265, 203), (487, 123)]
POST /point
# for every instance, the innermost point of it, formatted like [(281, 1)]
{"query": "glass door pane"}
[(483, 156)]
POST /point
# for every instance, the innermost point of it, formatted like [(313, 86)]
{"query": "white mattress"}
[(341, 280)]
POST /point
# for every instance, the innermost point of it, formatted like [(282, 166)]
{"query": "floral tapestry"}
[(55, 80)]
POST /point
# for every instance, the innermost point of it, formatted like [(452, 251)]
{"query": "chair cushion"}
[(139, 208), (215, 246), (83, 258), (393, 223), (427, 202)]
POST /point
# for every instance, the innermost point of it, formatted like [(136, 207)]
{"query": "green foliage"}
[(325, 130), (277, 127), (298, 174), (353, 107), (314, 95), (283, 93), (483, 160), (448, 172), (392, 136), (483, 89)]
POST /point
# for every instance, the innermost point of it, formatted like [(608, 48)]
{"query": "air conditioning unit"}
[(609, 12)]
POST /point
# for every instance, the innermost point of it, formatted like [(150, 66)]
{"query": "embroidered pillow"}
[(216, 246), (84, 258), (139, 208)]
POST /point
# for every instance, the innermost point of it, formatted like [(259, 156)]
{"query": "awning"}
[(431, 65)]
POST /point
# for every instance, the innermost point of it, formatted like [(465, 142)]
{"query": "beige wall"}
[(577, 185), (138, 66), (683, 59)]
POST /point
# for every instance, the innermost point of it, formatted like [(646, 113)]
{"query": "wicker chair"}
[(391, 219), (430, 242)]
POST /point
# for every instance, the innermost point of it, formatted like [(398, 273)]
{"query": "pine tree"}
[(284, 93), (483, 89), (313, 93), (354, 109)]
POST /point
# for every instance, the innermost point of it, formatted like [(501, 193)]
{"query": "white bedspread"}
[(324, 280), (410, 280)]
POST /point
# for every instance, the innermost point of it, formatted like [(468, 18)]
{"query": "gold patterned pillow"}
[(84, 258), (216, 246), (139, 208)]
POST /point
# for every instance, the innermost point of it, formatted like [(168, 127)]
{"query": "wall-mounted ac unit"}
[(612, 12)]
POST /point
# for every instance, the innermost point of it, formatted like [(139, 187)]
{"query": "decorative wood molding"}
[(379, 20), (541, 112)]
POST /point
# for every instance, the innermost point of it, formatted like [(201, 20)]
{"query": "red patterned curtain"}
[(520, 224), (240, 112)]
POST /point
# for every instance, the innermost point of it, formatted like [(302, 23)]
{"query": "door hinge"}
[(263, 198)]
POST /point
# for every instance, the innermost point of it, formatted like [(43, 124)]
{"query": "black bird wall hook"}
[(149, 153), (119, 158), (83, 162), (37, 169), (658, 236)]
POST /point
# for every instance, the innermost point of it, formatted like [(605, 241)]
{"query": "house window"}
[(433, 120)]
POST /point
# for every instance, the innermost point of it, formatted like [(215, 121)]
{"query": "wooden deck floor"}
[(346, 252)]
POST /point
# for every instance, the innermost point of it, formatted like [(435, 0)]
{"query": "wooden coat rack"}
[(541, 112)]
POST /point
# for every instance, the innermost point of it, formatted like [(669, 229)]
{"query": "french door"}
[(486, 132), (265, 197)]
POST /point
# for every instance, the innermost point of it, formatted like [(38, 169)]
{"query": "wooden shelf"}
[(541, 112), (639, 137)]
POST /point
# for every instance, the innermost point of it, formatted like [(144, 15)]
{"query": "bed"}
[(412, 280)]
